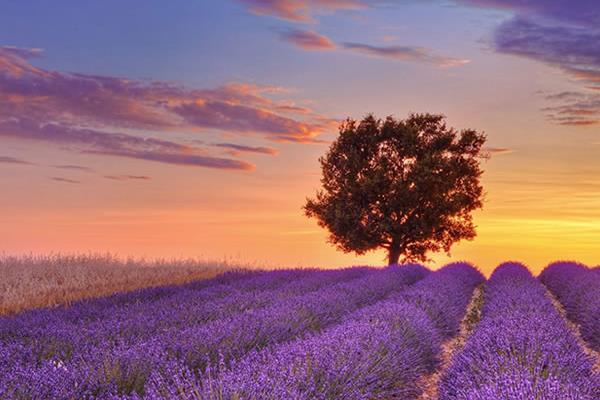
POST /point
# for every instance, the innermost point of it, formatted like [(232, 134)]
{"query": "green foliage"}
[(408, 186)]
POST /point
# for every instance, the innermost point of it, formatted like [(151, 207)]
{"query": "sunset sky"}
[(194, 128)]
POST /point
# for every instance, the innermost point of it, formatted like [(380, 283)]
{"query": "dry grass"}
[(39, 281)]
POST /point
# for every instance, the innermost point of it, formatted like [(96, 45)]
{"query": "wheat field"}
[(47, 280)]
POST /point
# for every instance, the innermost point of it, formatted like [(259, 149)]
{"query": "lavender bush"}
[(521, 349), (377, 352), (578, 289), (87, 352)]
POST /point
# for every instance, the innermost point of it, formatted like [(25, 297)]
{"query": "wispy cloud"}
[(312, 41), (64, 180), (300, 10), (498, 150), (110, 102), (294, 109), (575, 11), (574, 108), (117, 144), (128, 177), (89, 113), (576, 50), (307, 40), (405, 53), (13, 160), (562, 34), (238, 148), (72, 167)]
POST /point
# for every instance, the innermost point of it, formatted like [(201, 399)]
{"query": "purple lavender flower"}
[(378, 352), (578, 289), (521, 349)]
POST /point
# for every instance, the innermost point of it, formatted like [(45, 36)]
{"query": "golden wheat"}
[(39, 281)]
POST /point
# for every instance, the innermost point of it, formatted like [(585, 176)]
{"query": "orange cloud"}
[(300, 10), (307, 40)]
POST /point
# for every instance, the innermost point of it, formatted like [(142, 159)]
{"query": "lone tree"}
[(408, 186)]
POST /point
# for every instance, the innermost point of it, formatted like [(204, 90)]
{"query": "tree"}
[(408, 186)]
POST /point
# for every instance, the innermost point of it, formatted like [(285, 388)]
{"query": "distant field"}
[(41, 281), (401, 332)]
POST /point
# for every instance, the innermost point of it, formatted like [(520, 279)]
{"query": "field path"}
[(429, 383), (594, 355)]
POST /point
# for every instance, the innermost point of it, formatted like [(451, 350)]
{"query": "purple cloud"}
[(574, 109), (562, 34), (574, 49), (13, 160), (246, 119), (404, 53), (576, 11), (64, 180), (307, 40), (312, 41), (127, 177), (117, 144), (238, 148), (110, 102), (87, 112), (73, 167)]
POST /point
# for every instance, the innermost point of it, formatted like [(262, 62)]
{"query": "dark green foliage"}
[(408, 186)]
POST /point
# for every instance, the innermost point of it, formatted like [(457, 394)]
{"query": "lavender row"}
[(378, 352), (59, 335), (116, 366), (107, 307), (578, 289), (63, 336), (521, 348)]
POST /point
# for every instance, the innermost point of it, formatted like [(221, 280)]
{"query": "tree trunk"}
[(394, 253)]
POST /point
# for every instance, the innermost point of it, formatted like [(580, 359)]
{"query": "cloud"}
[(300, 10), (498, 150), (576, 50), (575, 11), (237, 148), (307, 40), (561, 34), (312, 41), (64, 180), (128, 177), (290, 108), (100, 101), (247, 119), (574, 108), (13, 61), (117, 144), (404, 53), (568, 95), (73, 167), (13, 160), (89, 113)]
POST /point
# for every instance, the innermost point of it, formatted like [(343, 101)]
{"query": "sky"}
[(194, 128)]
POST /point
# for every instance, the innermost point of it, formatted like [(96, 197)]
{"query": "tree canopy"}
[(408, 186)]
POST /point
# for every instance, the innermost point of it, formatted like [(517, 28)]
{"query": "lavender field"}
[(401, 332)]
